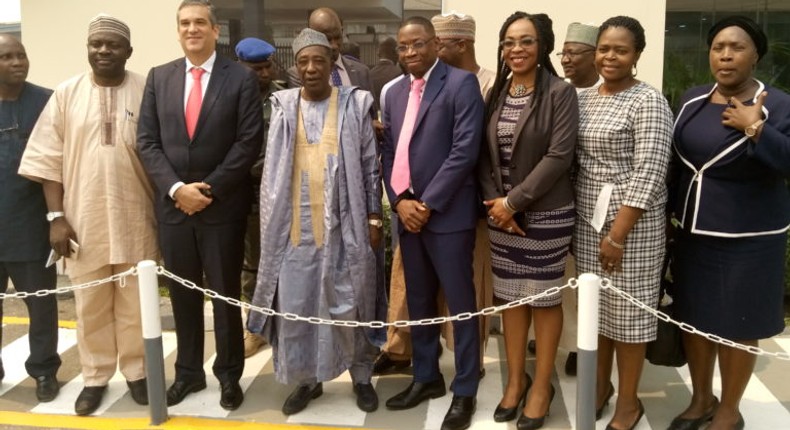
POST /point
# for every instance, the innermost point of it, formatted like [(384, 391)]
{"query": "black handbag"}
[(667, 349)]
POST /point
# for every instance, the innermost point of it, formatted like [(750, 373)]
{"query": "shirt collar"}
[(427, 74), (208, 65), (339, 63)]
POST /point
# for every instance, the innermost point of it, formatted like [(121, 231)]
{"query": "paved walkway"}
[(664, 392)]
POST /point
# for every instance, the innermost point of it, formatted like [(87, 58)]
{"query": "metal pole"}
[(152, 339), (587, 344)]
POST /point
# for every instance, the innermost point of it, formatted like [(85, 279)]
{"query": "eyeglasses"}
[(418, 45), (524, 43), (571, 54)]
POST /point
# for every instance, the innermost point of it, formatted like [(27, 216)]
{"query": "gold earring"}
[(635, 72)]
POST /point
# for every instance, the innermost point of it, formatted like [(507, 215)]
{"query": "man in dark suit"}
[(198, 151), (428, 160), (345, 71), (386, 69)]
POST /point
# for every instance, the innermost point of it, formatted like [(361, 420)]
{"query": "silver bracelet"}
[(508, 207), (611, 241)]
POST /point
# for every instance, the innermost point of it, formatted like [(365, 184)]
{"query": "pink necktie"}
[(400, 168), (194, 101)]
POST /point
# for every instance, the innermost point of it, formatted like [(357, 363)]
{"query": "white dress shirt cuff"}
[(176, 186)]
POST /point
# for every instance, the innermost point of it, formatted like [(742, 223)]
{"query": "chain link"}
[(606, 284), (42, 293), (372, 324)]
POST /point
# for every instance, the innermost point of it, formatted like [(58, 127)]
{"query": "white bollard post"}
[(152, 339), (587, 343)]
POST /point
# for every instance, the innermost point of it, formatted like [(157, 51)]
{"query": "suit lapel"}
[(399, 104), (175, 93), (219, 74), (526, 112), (434, 85)]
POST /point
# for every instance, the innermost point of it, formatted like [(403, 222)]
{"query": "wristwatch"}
[(376, 222), (751, 130), (51, 216)]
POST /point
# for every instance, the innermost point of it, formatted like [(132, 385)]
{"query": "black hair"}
[(748, 25), (630, 24), (543, 27), (212, 10), (420, 20)]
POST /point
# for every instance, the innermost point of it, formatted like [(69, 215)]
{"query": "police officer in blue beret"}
[(258, 55)]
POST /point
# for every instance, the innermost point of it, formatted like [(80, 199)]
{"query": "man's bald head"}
[(328, 22)]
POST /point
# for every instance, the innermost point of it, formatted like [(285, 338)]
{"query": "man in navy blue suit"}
[(428, 160)]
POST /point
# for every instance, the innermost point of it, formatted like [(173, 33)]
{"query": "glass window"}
[(686, 49)]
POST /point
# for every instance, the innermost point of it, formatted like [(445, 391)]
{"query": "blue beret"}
[(253, 50)]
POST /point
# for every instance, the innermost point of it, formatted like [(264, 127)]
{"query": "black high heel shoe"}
[(636, 421), (526, 423), (599, 411), (509, 414)]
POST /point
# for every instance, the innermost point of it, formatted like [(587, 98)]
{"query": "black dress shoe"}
[(367, 399), (2, 371), (89, 400), (694, 423), (139, 391), (384, 364), (300, 398), (230, 396), (416, 393), (526, 423), (509, 414), (47, 388), (570, 364), (636, 421), (180, 389), (459, 416), (609, 394), (532, 346)]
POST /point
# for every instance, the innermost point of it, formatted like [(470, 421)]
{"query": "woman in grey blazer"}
[(532, 120)]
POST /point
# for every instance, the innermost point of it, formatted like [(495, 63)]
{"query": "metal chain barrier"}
[(42, 293), (372, 324), (606, 284)]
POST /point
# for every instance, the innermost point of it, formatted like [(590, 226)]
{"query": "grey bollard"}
[(587, 345), (152, 339)]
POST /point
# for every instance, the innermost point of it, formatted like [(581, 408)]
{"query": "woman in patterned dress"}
[(732, 141), (532, 120), (625, 135)]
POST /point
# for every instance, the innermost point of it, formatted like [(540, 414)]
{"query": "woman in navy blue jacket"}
[(732, 145)]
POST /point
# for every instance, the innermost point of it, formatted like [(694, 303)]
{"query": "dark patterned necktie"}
[(336, 81)]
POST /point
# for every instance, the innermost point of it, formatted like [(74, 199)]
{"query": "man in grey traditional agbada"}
[(258, 55), (320, 223)]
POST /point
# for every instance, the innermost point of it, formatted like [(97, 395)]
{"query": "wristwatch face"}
[(750, 131)]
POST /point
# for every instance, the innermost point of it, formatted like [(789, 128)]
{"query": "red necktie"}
[(194, 101), (400, 167)]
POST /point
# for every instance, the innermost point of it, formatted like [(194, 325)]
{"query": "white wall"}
[(55, 34), (490, 14)]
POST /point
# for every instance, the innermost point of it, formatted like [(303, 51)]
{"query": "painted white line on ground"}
[(17, 352), (337, 406), (489, 393)]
